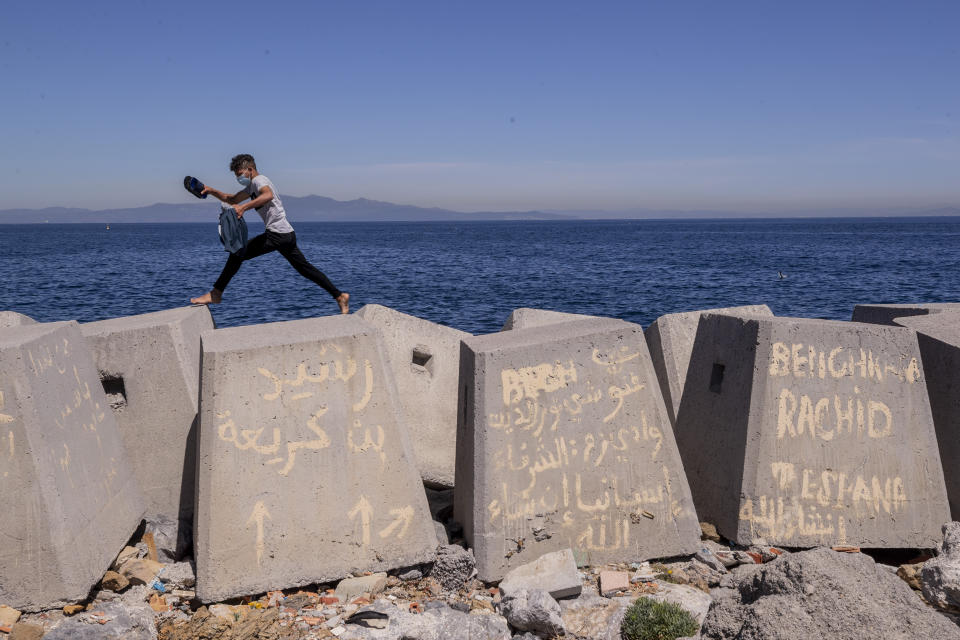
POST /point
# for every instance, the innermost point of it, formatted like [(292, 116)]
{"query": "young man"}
[(278, 236)]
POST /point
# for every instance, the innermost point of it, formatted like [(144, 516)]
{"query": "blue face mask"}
[(243, 180)]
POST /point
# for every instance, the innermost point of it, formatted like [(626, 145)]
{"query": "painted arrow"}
[(404, 517), (364, 509), (256, 516)]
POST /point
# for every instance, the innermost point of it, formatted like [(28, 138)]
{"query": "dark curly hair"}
[(242, 161)]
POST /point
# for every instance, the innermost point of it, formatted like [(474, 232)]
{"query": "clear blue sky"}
[(485, 105)]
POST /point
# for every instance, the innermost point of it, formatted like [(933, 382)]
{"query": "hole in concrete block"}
[(716, 377), (115, 390), (422, 358)]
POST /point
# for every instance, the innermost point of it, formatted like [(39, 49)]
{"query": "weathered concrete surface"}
[(14, 319), (68, 497), (564, 441), (939, 337), (305, 472), (670, 340), (807, 432), (150, 367), (887, 313), (525, 318), (425, 358)]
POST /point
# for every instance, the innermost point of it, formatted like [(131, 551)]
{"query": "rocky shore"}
[(726, 474)]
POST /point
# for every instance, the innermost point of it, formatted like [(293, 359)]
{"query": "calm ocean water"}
[(471, 275)]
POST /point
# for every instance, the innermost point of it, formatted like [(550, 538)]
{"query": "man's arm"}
[(266, 194), (236, 198)]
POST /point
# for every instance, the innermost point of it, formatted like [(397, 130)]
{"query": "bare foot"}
[(214, 297), (344, 301)]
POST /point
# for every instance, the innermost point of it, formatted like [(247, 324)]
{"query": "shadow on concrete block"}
[(805, 432), (670, 340), (939, 338), (68, 497), (149, 367), (425, 359), (888, 313)]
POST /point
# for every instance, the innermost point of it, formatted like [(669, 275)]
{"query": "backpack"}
[(233, 231)]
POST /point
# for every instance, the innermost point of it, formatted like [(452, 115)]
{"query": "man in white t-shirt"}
[(278, 236)]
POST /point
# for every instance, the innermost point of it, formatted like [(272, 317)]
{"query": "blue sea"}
[(470, 275)]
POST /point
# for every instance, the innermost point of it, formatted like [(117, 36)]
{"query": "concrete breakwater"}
[(299, 453)]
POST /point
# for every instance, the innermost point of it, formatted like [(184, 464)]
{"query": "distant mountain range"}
[(323, 209)]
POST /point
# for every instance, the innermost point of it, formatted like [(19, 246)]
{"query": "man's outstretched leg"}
[(256, 247), (295, 257)]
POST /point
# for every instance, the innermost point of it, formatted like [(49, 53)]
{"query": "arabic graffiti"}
[(306, 392), (578, 447)]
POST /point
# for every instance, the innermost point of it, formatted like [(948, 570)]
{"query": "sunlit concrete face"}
[(563, 441), (305, 470), (811, 432)]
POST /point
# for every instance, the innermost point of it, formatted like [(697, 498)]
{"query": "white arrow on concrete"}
[(257, 515), (365, 510), (404, 517)]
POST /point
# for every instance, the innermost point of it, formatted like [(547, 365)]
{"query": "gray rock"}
[(708, 558), (822, 594), (351, 588), (123, 623), (179, 575), (940, 576), (412, 574), (535, 611), (591, 616), (437, 622), (453, 567), (556, 573), (695, 601), (172, 538), (443, 538)]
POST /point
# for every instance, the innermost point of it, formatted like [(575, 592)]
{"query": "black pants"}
[(286, 244)]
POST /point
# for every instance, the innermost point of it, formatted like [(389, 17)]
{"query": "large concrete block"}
[(525, 318), (14, 319), (150, 368), (563, 441), (68, 498), (425, 358), (670, 340), (939, 337), (887, 313), (305, 471), (811, 432)]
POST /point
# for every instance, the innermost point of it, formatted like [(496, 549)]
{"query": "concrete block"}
[(887, 313), (305, 470), (939, 337), (670, 340), (564, 441), (800, 433), (68, 497), (149, 365), (525, 318), (425, 358), (14, 319), (555, 572)]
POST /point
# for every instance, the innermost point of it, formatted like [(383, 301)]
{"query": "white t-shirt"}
[(273, 214)]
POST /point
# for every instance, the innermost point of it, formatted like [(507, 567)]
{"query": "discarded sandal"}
[(369, 618), (194, 186)]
